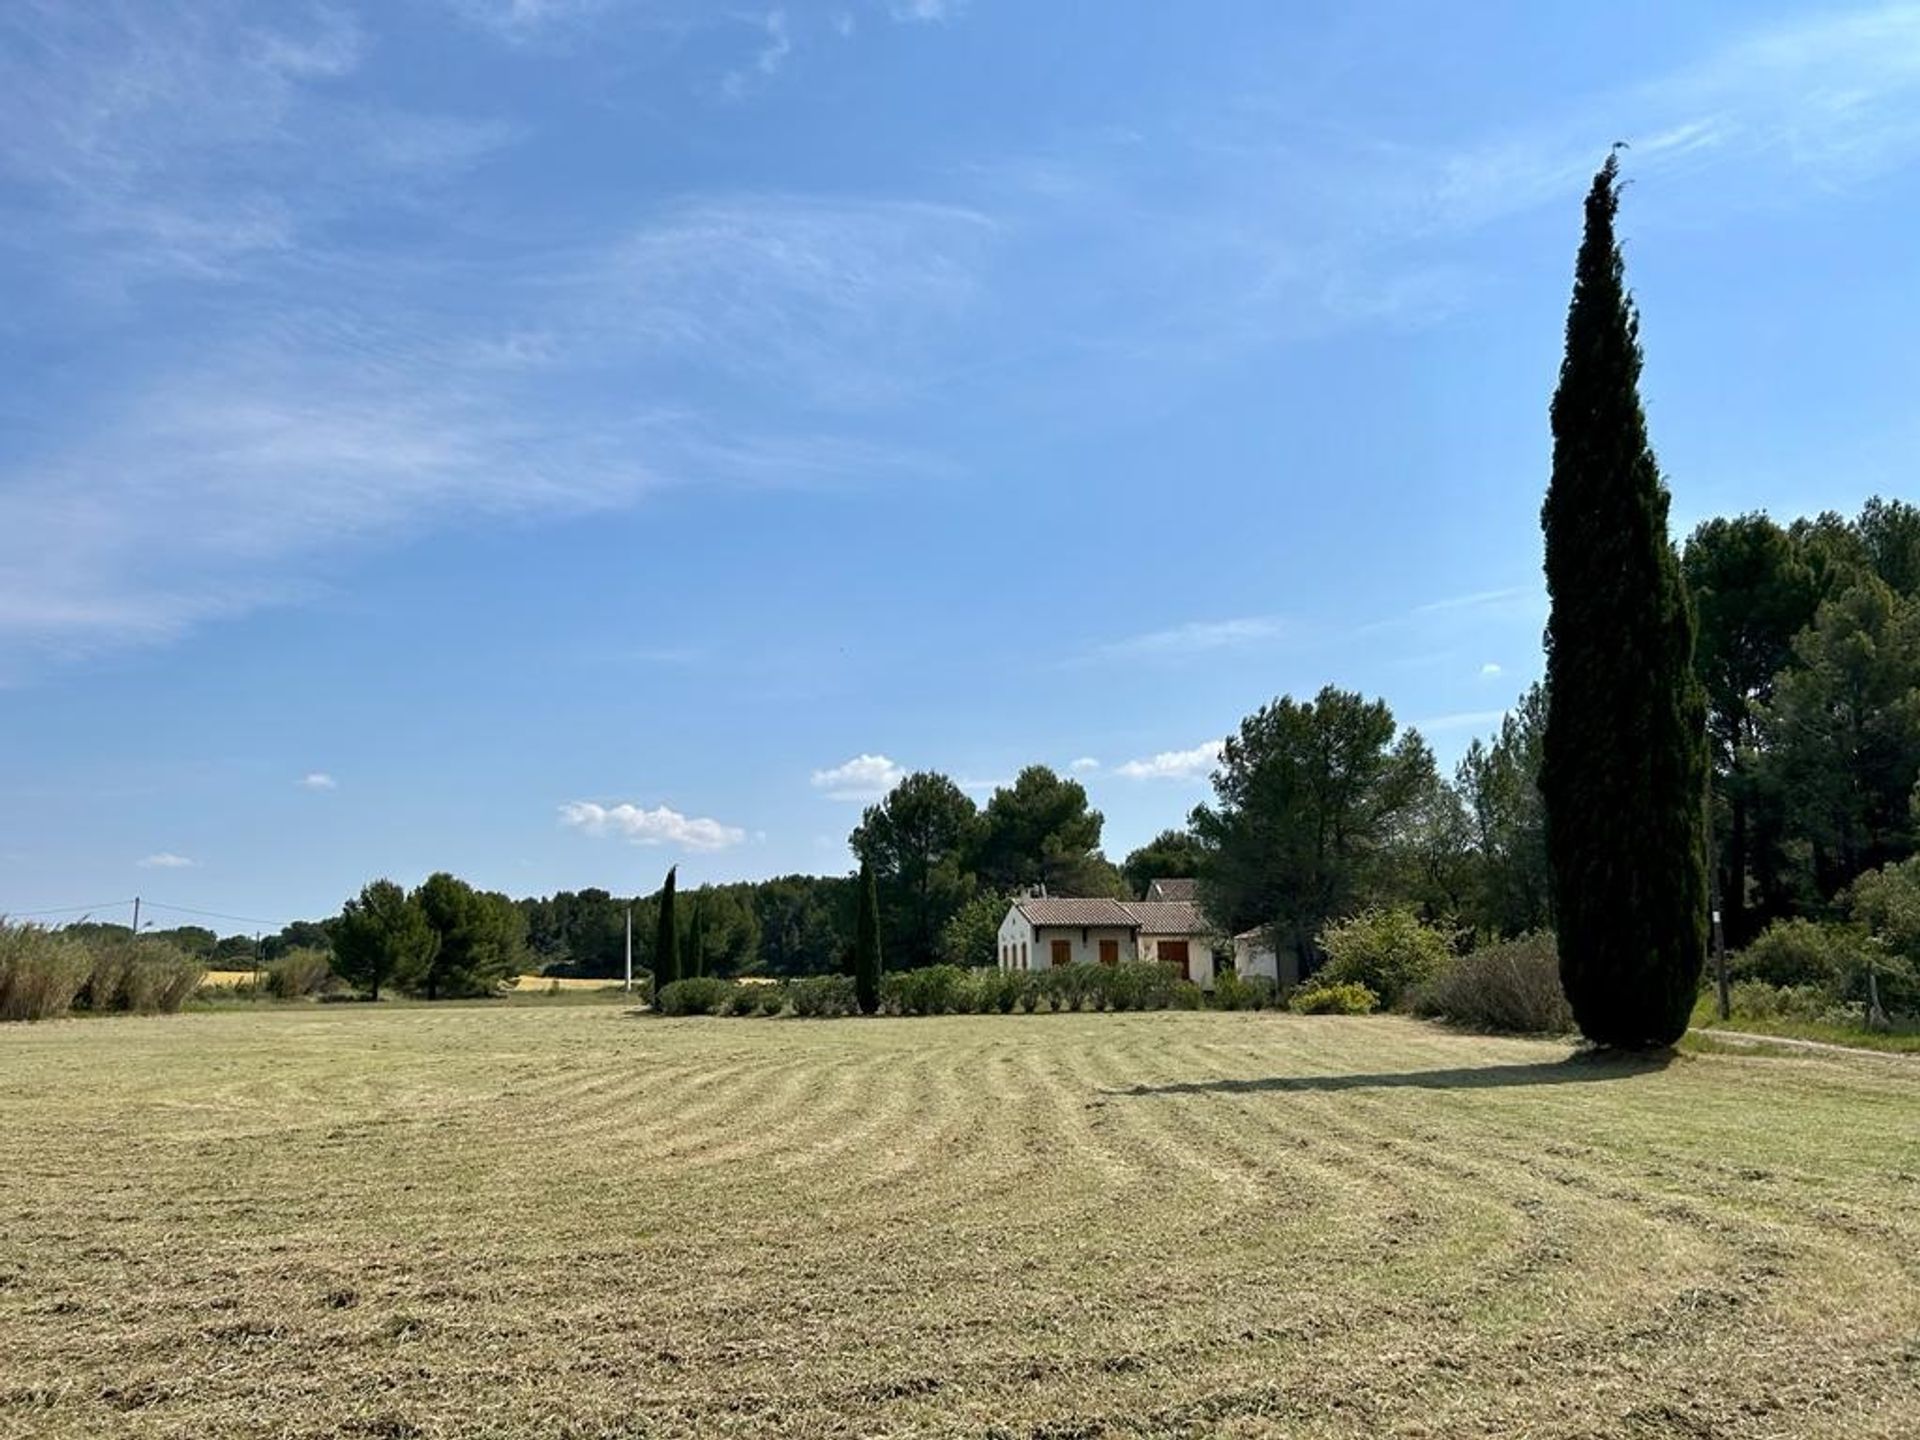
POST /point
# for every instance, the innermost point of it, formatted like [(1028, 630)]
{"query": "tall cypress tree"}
[(866, 945), (666, 940), (1624, 766)]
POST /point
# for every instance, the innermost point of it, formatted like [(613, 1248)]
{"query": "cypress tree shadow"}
[(1580, 1069)]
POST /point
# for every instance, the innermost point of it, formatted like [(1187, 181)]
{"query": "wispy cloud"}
[(1084, 764), (926, 11), (318, 780), (166, 860), (1194, 764), (864, 777), (659, 826), (1196, 637), (1489, 670), (845, 297), (772, 54)]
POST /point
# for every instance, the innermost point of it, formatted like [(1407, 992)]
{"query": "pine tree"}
[(666, 943), (1624, 769), (866, 945)]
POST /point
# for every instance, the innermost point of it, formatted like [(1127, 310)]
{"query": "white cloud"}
[(767, 60), (1491, 669), (923, 12), (865, 777), (1197, 636), (1084, 763), (1194, 764), (661, 826), (167, 860), (318, 780)]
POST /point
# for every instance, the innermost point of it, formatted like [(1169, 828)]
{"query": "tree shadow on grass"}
[(1582, 1068)]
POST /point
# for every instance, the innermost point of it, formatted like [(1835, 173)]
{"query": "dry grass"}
[(569, 1222)]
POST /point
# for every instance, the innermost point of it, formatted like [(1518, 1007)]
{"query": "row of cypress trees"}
[(866, 950)]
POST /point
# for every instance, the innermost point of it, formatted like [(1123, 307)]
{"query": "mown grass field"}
[(568, 1221)]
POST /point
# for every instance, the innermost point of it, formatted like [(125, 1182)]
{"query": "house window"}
[(1023, 955), (1109, 952), (1062, 953)]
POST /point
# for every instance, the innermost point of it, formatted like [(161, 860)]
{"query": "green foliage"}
[(1234, 991), (803, 922), (1624, 765), (1172, 854), (1510, 884), (1843, 734), (1801, 952), (1041, 831), (696, 995), (919, 843), (693, 955), (929, 990), (481, 939), (1315, 998), (822, 996), (1752, 592), (866, 945), (299, 973), (972, 936), (1757, 1000), (41, 971), (1312, 799), (745, 999), (1512, 986), (1885, 973), (383, 937), (665, 959), (1388, 951)]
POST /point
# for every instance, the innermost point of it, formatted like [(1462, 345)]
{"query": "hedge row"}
[(952, 990)]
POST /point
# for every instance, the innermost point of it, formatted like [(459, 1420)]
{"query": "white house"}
[(1040, 933)]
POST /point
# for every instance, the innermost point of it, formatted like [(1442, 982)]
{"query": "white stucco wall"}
[(1014, 933), (1255, 956), (1083, 942)]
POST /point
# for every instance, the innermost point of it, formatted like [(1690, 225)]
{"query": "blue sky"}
[(552, 439)]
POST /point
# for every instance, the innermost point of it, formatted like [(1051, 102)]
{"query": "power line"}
[(149, 904), (65, 909), (212, 914)]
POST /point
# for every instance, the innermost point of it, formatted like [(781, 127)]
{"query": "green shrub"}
[(1388, 951), (744, 999), (928, 990), (41, 971), (770, 999), (303, 972), (1143, 985), (702, 995), (1343, 997), (1757, 1000), (820, 996), (1800, 952), (1234, 991), (1513, 986)]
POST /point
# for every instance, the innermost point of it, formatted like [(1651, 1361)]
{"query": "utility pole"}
[(136, 917), (256, 962), (629, 949), (1720, 957)]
